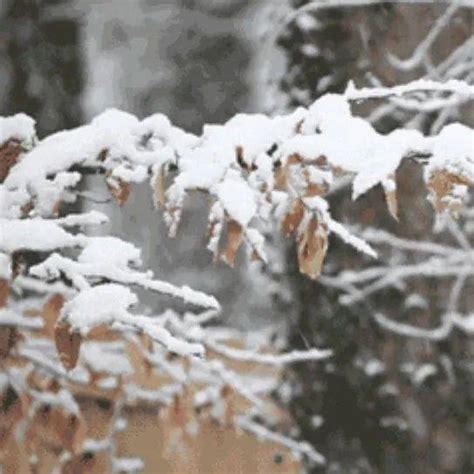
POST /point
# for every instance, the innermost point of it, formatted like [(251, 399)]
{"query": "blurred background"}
[(202, 61)]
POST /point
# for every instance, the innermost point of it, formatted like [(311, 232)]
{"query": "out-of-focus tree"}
[(41, 61), (394, 399)]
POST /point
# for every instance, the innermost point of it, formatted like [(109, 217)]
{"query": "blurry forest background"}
[(384, 403)]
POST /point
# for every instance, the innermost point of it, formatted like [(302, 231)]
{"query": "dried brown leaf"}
[(119, 189), (314, 189), (50, 312), (234, 240), (239, 157), (68, 344), (292, 219), (4, 291), (8, 338), (57, 428), (312, 247), (12, 406), (294, 159), (281, 178), (256, 256), (441, 185), (9, 153)]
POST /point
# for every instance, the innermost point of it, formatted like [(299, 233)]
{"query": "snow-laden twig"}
[(264, 434), (421, 85), (448, 321), (9, 317), (52, 367), (57, 263), (379, 236), (423, 47), (270, 359), (157, 333)]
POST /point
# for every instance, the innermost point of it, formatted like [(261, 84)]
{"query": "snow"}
[(62, 399), (452, 85), (5, 266), (321, 206), (256, 243), (9, 317), (108, 304), (264, 433), (164, 135), (113, 141), (76, 271), (307, 22), (124, 465), (55, 153), (453, 150), (372, 156), (95, 445), (129, 174), (18, 127), (235, 163), (110, 251), (310, 50), (34, 234), (374, 367), (415, 300), (108, 383), (422, 373), (206, 164), (159, 334), (270, 359), (108, 358), (85, 219), (465, 323), (317, 421), (238, 199), (164, 396), (101, 304)]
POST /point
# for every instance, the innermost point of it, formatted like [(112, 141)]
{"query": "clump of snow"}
[(422, 373), (374, 367), (363, 151), (19, 127), (87, 218), (453, 150), (124, 465), (110, 251), (108, 383), (307, 22), (109, 131), (101, 304), (107, 358), (238, 199), (34, 234), (114, 140), (163, 136)]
